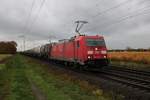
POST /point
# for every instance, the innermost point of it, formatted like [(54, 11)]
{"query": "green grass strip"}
[(20, 87), (51, 92), (55, 88), (4, 82), (2, 66)]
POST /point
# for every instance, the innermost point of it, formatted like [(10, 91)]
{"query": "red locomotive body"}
[(84, 50), (81, 49)]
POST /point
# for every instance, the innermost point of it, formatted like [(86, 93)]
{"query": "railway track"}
[(134, 78), (140, 72), (136, 82), (129, 77)]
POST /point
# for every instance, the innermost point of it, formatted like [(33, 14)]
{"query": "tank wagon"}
[(82, 49), (33, 52)]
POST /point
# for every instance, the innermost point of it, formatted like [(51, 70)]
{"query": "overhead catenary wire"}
[(70, 22), (108, 28), (126, 18), (110, 9), (26, 22), (29, 15), (37, 15), (107, 24), (100, 13), (95, 5)]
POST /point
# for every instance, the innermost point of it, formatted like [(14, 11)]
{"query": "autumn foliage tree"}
[(8, 47)]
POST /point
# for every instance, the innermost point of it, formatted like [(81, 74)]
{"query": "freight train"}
[(83, 50)]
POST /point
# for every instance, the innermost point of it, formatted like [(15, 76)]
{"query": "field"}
[(138, 57), (22, 78), (4, 56)]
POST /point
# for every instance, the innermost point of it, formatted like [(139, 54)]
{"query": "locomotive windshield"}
[(95, 42)]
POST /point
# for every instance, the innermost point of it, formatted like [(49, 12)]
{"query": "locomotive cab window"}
[(95, 42)]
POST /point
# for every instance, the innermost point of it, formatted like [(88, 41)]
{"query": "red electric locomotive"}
[(82, 49)]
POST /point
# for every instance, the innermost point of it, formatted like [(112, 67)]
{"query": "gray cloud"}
[(56, 21)]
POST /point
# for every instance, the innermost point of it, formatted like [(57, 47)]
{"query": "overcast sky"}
[(122, 22)]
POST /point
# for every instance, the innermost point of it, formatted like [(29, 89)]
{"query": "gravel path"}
[(37, 92)]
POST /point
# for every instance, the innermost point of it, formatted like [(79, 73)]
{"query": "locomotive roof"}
[(79, 36), (87, 36)]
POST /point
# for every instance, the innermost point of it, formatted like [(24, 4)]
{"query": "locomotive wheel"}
[(77, 66), (66, 64)]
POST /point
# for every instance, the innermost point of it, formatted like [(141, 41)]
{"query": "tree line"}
[(8, 47)]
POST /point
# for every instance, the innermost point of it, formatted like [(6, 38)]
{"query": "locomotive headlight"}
[(103, 52), (89, 57), (96, 49)]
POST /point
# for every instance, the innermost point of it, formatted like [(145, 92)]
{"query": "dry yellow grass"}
[(141, 57), (3, 56)]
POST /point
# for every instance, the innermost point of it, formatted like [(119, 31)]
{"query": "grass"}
[(138, 57), (4, 82), (47, 88), (59, 88), (14, 81), (2, 66), (19, 73)]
